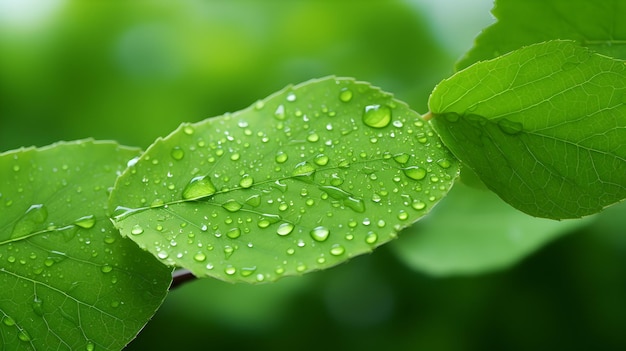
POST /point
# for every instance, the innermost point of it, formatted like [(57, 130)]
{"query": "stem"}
[(181, 276), (427, 116)]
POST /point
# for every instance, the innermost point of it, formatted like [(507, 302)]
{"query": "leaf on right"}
[(544, 127)]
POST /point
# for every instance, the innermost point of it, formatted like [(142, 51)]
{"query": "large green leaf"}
[(472, 231), (301, 181), (544, 127), (69, 280), (598, 25)]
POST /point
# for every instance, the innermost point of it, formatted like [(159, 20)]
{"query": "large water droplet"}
[(371, 238), (280, 112), (30, 221), (232, 206), (415, 172), (377, 116), (345, 95), (254, 200), (246, 181), (321, 160), (38, 306), (199, 257), (337, 250), (320, 233), (86, 222), (199, 187), (284, 229), (136, 230), (233, 233), (177, 153), (303, 169)]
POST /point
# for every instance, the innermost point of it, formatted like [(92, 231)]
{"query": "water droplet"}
[(230, 270), (281, 157), (246, 181), (233, 233), (86, 222), (510, 127), (106, 268), (254, 200), (345, 95), (280, 112), (320, 233), (284, 229), (236, 156), (321, 160), (162, 255), (377, 116), (444, 163), (371, 238), (291, 97), (188, 130), (38, 306), (403, 216), (30, 221), (418, 205), (90, 346), (8, 321), (232, 206), (177, 153), (415, 172), (402, 158), (23, 335), (303, 169), (337, 250), (136, 230), (313, 137), (199, 187), (199, 257)]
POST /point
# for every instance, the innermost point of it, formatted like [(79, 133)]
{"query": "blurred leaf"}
[(301, 181), (472, 231), (69, 281), (543, 127), (598, 25)]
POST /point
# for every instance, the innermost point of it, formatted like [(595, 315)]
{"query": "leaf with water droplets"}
[(69, 280), (543, 127), (300, 181)]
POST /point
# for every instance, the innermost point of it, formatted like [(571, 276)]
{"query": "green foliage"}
[(547, 134), (69, 281), (471, 220), (308, 178), (301, 181), (598, 25)]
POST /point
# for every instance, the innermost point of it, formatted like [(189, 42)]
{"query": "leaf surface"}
[(69, 280), (598, 25), (543, 127), (300, 181), (473, 232)]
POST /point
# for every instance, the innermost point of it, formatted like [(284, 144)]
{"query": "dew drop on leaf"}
[(86, 222), (198, 187), (377, 116), (136, 230), (345, 95), (30, 221), (281, 157), (284, 229), (337, 250), (415, 172), (233, 233), (371, 238), (303, 169), (199, 257), (320, 233), (246, 181), (232, 206), (177, 153)]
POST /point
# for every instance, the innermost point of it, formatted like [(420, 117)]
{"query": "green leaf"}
[(300, 181), (69, 280), (598, 25), (472, 231), (543, 127)]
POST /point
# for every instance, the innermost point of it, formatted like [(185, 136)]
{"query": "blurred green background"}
[(133, 71)]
